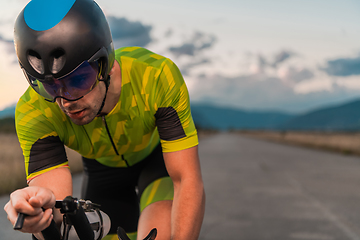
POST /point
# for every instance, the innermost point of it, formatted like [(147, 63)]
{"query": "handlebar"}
[(122, 234), (50, 232), (74, 212), (74, 215)]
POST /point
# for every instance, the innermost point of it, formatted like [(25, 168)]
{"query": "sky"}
[(279, 55)]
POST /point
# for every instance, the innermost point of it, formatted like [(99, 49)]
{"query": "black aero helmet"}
[(54, 38)]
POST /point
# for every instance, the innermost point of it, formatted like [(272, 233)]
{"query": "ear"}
[(112, 71)]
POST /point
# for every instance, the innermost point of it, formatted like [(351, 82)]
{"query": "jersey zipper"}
[(112, 141)]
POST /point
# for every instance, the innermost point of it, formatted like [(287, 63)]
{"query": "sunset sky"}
[(291, 56)]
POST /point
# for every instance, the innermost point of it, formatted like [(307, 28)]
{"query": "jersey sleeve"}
[(173, 114), (41, 145)]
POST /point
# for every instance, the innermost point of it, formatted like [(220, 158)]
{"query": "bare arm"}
[(189, 196), (59, 181), (42, 192)]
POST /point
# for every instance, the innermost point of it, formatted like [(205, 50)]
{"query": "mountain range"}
[(221, 118), (8, 112), (343, 117)]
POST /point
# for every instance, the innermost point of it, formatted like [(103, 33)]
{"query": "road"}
[(258, 190)]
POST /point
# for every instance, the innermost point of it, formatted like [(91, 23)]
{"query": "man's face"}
[(84, 110)]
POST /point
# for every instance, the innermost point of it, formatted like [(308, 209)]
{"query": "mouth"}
[(76, 114)]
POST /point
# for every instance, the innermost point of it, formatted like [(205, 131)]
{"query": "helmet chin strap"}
[(107, 83)]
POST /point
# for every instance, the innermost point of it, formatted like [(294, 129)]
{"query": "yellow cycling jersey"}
[(153, 105)]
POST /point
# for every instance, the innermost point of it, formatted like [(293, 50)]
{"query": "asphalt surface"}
[(259, 190)]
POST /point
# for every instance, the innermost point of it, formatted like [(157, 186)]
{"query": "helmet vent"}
[(35, 61), (57, 61)]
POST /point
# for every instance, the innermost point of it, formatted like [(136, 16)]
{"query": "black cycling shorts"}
[(119, 190)]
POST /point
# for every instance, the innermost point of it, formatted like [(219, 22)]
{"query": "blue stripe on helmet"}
[(41, 15)]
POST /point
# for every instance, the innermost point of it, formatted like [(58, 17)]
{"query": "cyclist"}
[(127, 112)]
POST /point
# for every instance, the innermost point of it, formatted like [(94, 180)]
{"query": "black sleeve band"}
[(46, 153), (168, 124)]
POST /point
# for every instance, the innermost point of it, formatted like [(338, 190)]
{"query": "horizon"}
[(207, 104), (263, 56)]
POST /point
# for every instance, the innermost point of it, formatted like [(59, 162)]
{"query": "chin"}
[(82, 121)]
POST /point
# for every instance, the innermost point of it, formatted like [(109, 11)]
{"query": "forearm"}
[(189, 198), (188, 210)]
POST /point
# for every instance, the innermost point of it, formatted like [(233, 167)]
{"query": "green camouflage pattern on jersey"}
[(149, 82)]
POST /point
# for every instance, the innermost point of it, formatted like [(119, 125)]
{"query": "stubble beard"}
[(88, 112), (90, 104)]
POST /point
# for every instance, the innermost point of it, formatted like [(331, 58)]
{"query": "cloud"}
[(281, 57), (168, 33), (261, 82), (9, 44), (128, 33), (185, 49), (2, 39), (262, 64), (197, 43), (9, 69), (259, 65), (275, 82), (8, 50), (343, 67), (241, 91), (281, 65), (295, 74), (267, 93), (185, 69), (193, 54)]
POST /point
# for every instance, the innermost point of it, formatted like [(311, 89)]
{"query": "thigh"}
[(114, 190), (154, 182)]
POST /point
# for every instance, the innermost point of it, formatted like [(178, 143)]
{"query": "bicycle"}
[(76, 214)]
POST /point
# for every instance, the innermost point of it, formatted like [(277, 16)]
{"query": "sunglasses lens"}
[(71, 87)]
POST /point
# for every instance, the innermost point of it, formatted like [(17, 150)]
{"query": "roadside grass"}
[(12, 171), (12, 168), (341, 142)]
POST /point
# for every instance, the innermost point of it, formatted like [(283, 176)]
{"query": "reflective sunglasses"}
[(71, 87)]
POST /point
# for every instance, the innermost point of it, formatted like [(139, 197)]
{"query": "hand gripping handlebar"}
[(74, 215)]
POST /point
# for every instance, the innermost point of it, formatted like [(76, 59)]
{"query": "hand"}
[(37, 203)]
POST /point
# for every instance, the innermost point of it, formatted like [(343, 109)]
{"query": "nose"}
[(65, 103)]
